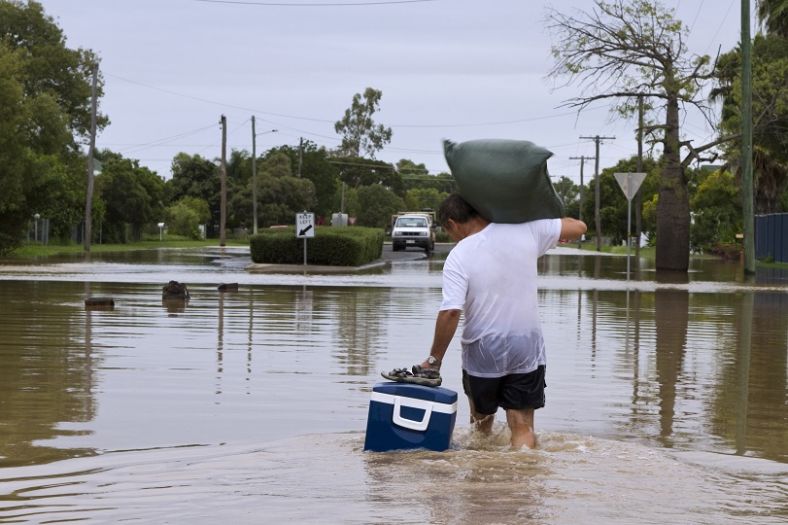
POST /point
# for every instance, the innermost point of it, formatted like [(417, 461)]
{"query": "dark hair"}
[(456, 208)]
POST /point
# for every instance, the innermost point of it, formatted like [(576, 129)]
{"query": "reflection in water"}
[(174, 306), (141, 386), (671, 309), (47, 372), (751, 411), (360, 329)]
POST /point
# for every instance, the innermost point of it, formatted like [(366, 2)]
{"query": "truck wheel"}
[(395, 246)]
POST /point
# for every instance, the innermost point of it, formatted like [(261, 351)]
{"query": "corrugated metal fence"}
[(771, 236)]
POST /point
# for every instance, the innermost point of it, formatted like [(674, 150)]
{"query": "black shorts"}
[(516, 391)]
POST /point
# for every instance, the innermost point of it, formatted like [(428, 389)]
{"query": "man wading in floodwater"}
[(491, 275)]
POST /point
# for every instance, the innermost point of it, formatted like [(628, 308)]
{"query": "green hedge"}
[(350, 246)]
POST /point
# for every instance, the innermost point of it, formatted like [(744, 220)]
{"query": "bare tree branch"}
[(695, 152)]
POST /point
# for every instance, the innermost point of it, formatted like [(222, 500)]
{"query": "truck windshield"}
[(411, 222)]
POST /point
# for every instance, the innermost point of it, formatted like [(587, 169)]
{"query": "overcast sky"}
[(458, 69)]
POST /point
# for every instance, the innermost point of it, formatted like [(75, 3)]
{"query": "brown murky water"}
[(667, 401)]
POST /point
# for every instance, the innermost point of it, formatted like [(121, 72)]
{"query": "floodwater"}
[(667, 399)]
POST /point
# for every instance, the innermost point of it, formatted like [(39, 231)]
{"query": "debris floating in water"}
[(99, 303), (174, 290)]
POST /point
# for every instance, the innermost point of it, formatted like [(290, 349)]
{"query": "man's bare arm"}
[(445, 326)]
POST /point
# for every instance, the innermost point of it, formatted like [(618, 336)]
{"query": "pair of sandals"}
[(417, 375)]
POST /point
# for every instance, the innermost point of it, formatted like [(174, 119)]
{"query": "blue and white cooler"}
[(407, 416)]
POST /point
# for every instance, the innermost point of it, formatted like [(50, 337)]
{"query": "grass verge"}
[(39, 250)]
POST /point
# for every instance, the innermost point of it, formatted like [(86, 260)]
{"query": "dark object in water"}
[(99, 303), (174, 305), (228, 287), (174, 290)]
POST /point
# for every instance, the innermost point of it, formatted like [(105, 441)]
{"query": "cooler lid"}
[(427, 393)]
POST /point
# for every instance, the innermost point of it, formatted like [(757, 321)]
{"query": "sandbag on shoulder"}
[(505, 180)]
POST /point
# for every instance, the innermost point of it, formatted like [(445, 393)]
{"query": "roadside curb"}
[(312, 268)]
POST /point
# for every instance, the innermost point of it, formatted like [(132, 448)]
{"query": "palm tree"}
[(773, 14)]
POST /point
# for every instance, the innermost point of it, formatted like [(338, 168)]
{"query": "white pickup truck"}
[(413, 229)]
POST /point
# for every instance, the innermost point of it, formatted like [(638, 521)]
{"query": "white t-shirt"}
[(491, 276)]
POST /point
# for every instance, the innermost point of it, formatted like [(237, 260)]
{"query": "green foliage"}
[(360, 134), (376, 205), (769, 105), (195, 176), (774, 16), (570, 195), (316, 167), (185, 216), (133, 196), (628, 49), (351, 246), (421, 198), (356, 172), (279, 195), (613, 209), (44, 109), (717, 213)]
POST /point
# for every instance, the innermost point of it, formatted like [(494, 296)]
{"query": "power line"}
[(161, 141), (315, 4), (330, 121), (724, 18)]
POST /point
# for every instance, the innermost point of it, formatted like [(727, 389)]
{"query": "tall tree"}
[(195, 176), (376, 205), (770, 115), (357, 172), (622, 50), (569, 193), (315, 166), (360, 133), (774, 16), (44, 111), (132, 194), (280, 194)]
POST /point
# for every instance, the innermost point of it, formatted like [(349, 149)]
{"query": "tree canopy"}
[(361, 135), (623, 50), (44, 111)]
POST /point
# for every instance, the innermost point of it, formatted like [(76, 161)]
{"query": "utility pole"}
[(300, 154), (223, 185), (597, 218), (254, 179), (91, 153), (638, 198), (582, 159), (746, 139)]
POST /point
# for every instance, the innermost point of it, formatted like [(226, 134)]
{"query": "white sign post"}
[(630, 184), (305, 227)]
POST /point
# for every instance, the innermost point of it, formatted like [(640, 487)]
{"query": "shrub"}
[(351, 246)]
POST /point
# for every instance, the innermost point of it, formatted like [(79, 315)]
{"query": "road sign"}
[(305, 225), (630, 183)]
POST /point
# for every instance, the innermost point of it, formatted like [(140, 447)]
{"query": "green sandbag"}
[(505, 180)]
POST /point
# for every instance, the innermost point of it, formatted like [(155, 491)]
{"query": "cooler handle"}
[(411, 423)]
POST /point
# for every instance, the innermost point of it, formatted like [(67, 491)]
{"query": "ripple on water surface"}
[(328, 478)]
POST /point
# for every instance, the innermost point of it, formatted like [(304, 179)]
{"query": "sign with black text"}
[(305, 225)]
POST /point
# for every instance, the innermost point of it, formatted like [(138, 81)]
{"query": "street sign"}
[(305, 225), (630, 183)]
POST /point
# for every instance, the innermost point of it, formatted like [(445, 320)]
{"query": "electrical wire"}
[(315, 4), (329, 121), (161, 141)]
